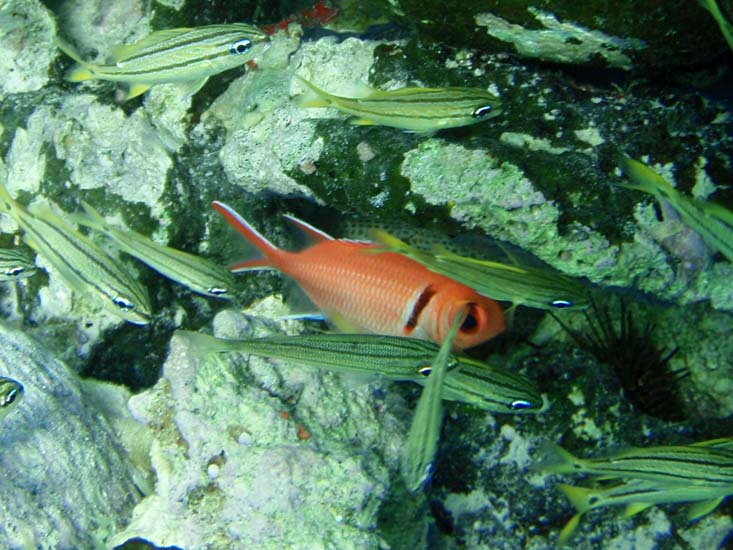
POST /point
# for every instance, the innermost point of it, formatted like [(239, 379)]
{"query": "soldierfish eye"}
[(14, 271), (123, 304), (425, 371), (240, 46), (469, 323), (561, 303), (483, 111), (520, 404)]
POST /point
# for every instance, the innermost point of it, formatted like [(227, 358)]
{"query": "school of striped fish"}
[(399, 312)]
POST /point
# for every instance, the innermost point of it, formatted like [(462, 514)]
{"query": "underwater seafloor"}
[(127, 438)]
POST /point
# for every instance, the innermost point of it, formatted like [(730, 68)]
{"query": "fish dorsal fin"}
[(389, 243), (400, 92), (314, 233), (121, 53)]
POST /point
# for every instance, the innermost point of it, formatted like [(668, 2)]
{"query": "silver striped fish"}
[(15, 264), (410, 109), (394, 357), (522, 285), (186, 55), (422, 441), (85, 267), (189, 270), (665, 465), (712, 221)]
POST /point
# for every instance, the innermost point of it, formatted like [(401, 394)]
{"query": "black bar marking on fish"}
[(422, 301)]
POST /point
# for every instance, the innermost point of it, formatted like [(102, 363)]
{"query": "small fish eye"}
[(483, 111), (520, 404), (217, 291), (560, 304), (10, 398), (123, 304), (425, 371), (240, 46)]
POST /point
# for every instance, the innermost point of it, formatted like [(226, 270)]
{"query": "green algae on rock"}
[(623, 34)]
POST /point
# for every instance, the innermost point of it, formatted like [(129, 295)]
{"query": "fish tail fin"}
[(205, 344), (270, 252), (568, 530), (82, 71), (90, 218), (579, 497), (556, 460), (314, 96), (643, 178)]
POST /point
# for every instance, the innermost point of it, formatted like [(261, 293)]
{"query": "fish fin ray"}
[(703, 508), (567, 532), (258, 264), (313, 232), (83, 70), (190, 88), (578, 496), (254, 237), (122, 52), (90, 218), (555, 459), (313, 97), (635, 508)]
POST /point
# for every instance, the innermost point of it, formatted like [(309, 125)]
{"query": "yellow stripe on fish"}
[(185, 55), (411, 109)]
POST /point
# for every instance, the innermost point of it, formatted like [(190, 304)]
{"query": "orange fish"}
[(384, 293)]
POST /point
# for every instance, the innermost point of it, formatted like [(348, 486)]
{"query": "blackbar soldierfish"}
[(379, 293)]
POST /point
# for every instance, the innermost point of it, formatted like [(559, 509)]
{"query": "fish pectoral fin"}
[(135, 90), (189, 88), (342, 325), (703, 508), (305, 316), (635, 508)]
